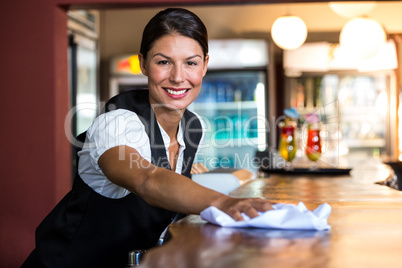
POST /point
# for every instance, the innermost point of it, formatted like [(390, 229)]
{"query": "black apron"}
[(86, 229)]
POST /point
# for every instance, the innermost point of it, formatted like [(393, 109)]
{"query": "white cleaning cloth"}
[(283, 216)]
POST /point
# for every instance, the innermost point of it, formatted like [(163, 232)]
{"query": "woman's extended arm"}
[(160, 187)]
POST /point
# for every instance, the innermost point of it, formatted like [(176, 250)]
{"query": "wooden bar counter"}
[(366, 227)]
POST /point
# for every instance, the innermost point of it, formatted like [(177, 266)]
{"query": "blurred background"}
[(64, 58), (356, 94)]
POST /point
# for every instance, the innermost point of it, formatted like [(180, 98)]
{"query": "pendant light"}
[(352, 9), (362, 37), (289, 32)]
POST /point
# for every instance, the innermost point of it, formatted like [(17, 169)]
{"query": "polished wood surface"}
[(366, 227)]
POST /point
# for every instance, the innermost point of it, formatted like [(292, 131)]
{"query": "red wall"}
[(35, 153)]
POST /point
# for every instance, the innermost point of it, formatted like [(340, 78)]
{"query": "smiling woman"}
[(134, 167), (175, 68)]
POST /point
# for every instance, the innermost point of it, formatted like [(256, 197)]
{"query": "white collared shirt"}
[(115, 128)]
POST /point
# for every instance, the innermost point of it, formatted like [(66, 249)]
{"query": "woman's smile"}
[(176, 93)]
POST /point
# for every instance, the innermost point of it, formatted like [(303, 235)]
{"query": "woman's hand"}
[(234, 207)]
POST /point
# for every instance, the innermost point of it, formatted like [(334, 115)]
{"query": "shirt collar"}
[(166, 139)]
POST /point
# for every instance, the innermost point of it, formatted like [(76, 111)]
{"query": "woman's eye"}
[(191, 63), (163, 62)]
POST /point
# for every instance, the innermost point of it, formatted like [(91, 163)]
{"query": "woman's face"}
[(175, 67)]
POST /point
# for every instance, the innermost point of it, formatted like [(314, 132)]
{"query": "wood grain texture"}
[(366, 227)]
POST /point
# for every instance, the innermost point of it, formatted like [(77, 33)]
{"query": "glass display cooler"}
[(83, 73), (232, 103)]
